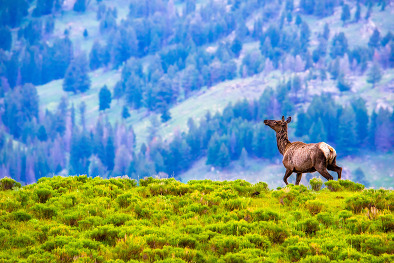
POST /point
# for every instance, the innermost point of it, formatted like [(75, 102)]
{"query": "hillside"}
[(67, 219)]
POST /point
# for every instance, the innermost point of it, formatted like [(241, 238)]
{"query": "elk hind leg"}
[(321, 168), (298, 180), (335, 168)]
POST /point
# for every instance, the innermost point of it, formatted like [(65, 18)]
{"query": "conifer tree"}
[(374, 75), (357, 14), (77, 78), (223, 157), (347, 131), (374, 40), (110, 153), (104, 98), (345, 13), (125, 112)]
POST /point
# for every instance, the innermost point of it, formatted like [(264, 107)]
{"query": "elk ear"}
[(288, 119), (283, 118)]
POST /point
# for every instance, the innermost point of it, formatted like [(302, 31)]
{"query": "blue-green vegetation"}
[(67, 219)]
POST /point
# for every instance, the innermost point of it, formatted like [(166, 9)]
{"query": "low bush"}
[(315, 259), (314, 206), (21, 216), (316, 184), (387, 222), (358, 203), (45, 211), (333, 186), (357, 224), (298, 251), (325, 218), (222, 245), (260, 242), (276, 233), (265, 215), (351, 186), (309, 226), (43, 194), (8, 183), (106, 234)]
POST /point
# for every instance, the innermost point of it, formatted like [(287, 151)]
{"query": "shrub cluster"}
[(63, 219)]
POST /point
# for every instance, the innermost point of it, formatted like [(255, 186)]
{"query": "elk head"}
[(277, 126)]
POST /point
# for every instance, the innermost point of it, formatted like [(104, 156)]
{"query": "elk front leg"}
[(298, 180), (287, 175)]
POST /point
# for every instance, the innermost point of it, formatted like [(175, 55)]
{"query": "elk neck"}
[(282, 140)]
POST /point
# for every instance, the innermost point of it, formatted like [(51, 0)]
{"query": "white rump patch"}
[(329, 152)]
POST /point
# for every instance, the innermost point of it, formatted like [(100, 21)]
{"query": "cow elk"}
[(299, 157)]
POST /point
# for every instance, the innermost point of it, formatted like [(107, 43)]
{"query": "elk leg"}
[(323, 171), (287, 175), (298, 180), (335, 168)]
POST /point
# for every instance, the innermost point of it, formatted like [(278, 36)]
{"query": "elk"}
[(299, 157)]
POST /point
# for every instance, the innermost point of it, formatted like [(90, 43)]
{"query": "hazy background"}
[(180, 88)]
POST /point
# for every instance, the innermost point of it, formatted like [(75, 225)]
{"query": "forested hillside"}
[(68, 219), (161, 86)]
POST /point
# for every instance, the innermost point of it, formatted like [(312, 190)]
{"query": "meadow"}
[(83, 219)]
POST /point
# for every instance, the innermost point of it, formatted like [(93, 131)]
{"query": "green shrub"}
[(43, 194), (72, 218), (387, 222), (309, 226), (351, 186), (124, 200), (316, 184), (315, 259), (260, 187), (260, 242), (358, 203), (106, 234), (333, 186), (350, 254), (118, 219), (129, 248), (344, 214), (45, 211), (222, 245), (325, 218), (234, 204), (21, 216), (357, 224), (276, 233), (8, 183), (265, 215), (298, 251), (374, 245), (90, 222), (314, 206), (21, 240)]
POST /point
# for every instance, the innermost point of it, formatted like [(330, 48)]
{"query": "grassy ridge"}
[(65, 219)]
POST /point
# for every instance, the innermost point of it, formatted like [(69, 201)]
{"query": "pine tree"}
[(347, 131), (374, 40), (104, 98), (125, 112), (80, 6), (326, 32), (345, 13), (42, 133), (357, 14), (374, 75), (359, 177), (318, 132), (110, 153), (362, 120), (243, 158), (5, 38), (301, 126), (76, 78), (223, 157)]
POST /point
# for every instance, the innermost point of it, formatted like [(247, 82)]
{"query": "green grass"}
[(66, 219)]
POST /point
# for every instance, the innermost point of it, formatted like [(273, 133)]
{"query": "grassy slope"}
[(96, 220)]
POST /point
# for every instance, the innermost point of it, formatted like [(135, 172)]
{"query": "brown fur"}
[(299, 157)]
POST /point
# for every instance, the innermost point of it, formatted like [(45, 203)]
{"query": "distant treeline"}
[(59, 143)]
